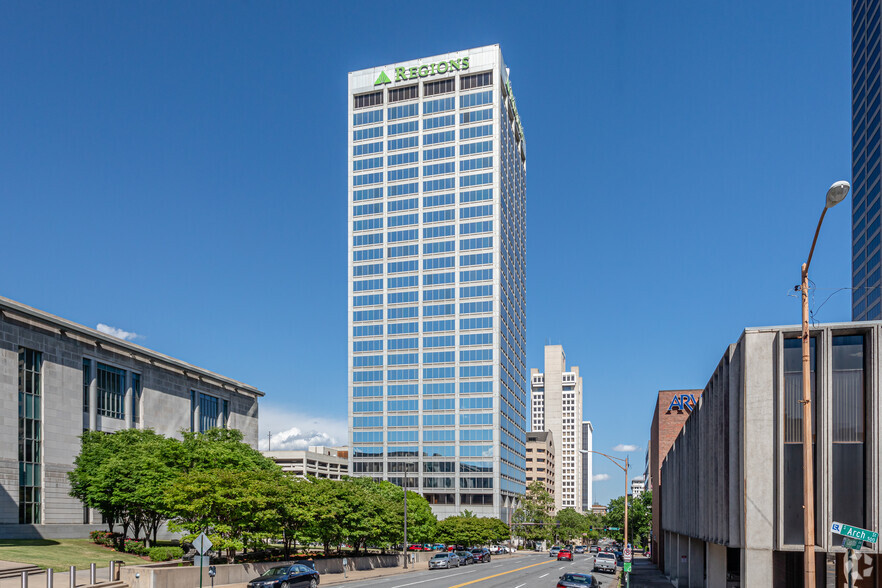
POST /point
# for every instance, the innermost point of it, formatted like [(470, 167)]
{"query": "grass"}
[(60, 554)]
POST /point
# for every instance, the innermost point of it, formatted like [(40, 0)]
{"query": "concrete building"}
[(557, 407), (732, 503), (320, 462), (672, 408), (540, 459), (638, 486), (58, 379), (865, 130), (587, 466), (437, 279), (599, 509)]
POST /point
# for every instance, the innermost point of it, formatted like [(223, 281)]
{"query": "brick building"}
[(671, 411)]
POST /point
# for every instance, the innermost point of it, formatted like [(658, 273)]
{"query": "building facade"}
[(865, 129), (732, 503), (316, 461), (672, 408), (638, 486), (540, 459), (437, 277), (587, 466), (557, 407), (58, 379)]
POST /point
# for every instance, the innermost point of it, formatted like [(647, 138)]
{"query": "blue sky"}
[(178, 171)]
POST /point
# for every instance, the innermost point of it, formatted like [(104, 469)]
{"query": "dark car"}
[(289, 576), (577, 581), (465, 557), (620, 557), (565, 554), (481, 554)]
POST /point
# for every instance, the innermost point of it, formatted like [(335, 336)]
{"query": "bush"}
[(164, 553), (134, 546), (105, 538)]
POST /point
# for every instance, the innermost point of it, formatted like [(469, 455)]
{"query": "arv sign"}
[(681, 402)]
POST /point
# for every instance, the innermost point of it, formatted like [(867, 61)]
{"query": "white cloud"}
[(118, 333), (625, 448), (295, 430), (600, 477)]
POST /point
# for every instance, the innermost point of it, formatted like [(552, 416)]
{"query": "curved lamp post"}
[(835, 195), (617, 461)]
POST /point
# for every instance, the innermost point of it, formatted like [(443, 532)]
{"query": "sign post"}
[(853, 539), (202, 544)]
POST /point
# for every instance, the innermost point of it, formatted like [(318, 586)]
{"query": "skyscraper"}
[(865, 129), (557, 407), (437, 274), (587, 466)]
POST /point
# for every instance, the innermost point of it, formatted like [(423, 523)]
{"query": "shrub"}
[(135, 546), (165, 553), (105, 538)]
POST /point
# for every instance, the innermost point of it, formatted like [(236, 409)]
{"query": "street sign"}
[(613, 529), (855, 532), (850, 543), (201, 561), (202, 544), (627, 554), (627, 567)]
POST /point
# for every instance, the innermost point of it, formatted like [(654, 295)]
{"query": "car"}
[(579, 549), (496, 549), (439, 547), (288, 576), (553, 552), (577, 581), (564, 554), (465, 557), (620, 557), (444, 560), (481, 554), (605, 562), (593, 549)]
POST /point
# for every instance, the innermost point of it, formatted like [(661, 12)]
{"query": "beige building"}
[(317, 461), (557, 407), (540, 459), (599, 509)]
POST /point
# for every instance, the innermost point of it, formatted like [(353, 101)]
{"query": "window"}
[(367, 209), (367, 148), (407, 173), (87, 382), (409, 343), (438, 216), (439, 310), (402, 282), (403, 143), (438, 153), (475, 243), (439, 341), (448, 120), (208, 412), (403, 127), (476, 179), (369, 163), (439, 388), (367, 118), (476, 99), (367, 194), (479, 163), (849, 400), (367, 224), (475, 227), (368, 133), (365, 100), (440, 105), (403, 250), (405, 93), (439, 137), (476, 80), (475, 132), (475, 148), (407, 235), (403, 111), (476, 291), (136, 399), (362, 285), (402, 158), (442, 294), (441, 184), (403, 390), (402, 297), (438, 169), (476, 195), (475, 259), (111, 391), (440, 231), (439, 247), (439, 87), (438, 279), (30, 435), (471, 116)]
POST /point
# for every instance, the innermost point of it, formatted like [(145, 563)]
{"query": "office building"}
[(732, 503), (437, 275), (557, 407), (58, 379), (316, 461), (599, 509), (587, 466), (672, 408), (865, 130), (540, 459), (638, 486)]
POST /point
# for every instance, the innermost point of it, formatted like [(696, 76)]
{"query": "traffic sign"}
[(613, 529), (627, 554), (849, 543), (627, 567), (855, 532), (202, 544)]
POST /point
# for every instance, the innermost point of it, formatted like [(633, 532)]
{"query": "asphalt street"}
[(527, 571)]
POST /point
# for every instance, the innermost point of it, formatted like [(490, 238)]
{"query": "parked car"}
[(579, 549), (444, 560), (605, 562), (496, 549), (465, 557), (620, 557), (554, 551), (290, 576), (577, 581), (481, 554), (439, 547), (565, 554)]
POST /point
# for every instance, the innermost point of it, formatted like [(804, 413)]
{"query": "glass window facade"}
[(471, 364), (30, 436)]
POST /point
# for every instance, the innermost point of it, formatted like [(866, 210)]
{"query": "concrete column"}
[(683, 561), (696, 563), (716, 565), (128, 403), (93, 398), (670, 552), (756, 567), (196, 413)]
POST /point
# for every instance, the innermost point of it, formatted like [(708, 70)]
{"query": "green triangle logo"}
[(383, 79)]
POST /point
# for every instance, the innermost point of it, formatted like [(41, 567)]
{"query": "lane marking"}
[(542, 576), (541, 563), (520, 586), (430, 579)]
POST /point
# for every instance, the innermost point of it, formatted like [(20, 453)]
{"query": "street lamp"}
[(835, 195), (624, 468)]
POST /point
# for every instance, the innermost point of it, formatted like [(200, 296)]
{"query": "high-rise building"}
[(587, 466), (865, 166), (437, 277), (540, 459), (638, 486), (557, 407)]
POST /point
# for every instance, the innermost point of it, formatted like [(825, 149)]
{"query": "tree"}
[(534, 518), (569, 525), (467, 529), (296, 510), (639, 518)]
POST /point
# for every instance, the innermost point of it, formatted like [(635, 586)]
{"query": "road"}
[(527, 571)]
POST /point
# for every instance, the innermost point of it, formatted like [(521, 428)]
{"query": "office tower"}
[(587, 466), (437, 274), (638, 486), (865, 127), (557, 407)]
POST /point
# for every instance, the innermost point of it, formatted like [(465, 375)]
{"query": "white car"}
[(605, 562), (444, 560)]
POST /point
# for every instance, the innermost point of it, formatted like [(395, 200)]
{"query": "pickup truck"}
[(605, 562)]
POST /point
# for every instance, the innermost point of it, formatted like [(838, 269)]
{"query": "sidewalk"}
[(645, 574)]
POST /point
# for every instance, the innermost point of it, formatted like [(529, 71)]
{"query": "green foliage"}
[(533, 520), (164, 553), (639, 518), (569, 525), (468, 530)]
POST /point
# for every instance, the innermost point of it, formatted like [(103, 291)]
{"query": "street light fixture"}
[(624, 468), (836, 194)]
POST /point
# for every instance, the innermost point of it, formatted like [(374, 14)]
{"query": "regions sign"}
[(424, 71)]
